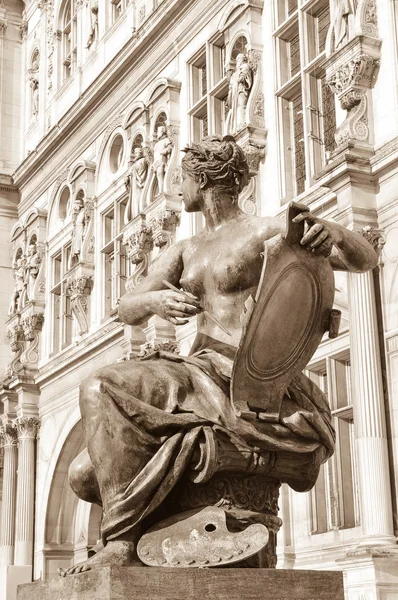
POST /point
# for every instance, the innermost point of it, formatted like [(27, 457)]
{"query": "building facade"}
[(97, 99)]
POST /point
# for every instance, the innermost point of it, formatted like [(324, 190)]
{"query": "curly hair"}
[(221, 159)]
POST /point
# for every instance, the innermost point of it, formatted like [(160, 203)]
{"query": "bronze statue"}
[(166, 422)]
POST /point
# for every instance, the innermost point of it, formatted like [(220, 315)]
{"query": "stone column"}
[(7, 524), (369, 413), (27, 429)]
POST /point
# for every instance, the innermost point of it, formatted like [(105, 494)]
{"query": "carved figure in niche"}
[(240, 84), (34, 86), (151, 422), (343, 21), (79, 221), (16, 302), (134, 183), (161, 153), (32, 266), (94, 25)]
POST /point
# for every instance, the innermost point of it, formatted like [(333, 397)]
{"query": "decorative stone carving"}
[(23, 28), (32, 268), (240, 85), (134, 183), (348, 19), (254, 155), (162, 149), (27, 427), (350, 74), (374, 236), (94, 25), (32, 324), (3, 27), (82, 211), (342, 19), (8, 433), (34, 85), (155, 346), (247, 199), (163, 227), (15, 336), (78, 286), (18, 270), (139, 242)]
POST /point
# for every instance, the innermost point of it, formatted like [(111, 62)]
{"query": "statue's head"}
[(31, 249), (241, 58), (215, 162), (161, 131), (78, 203), (138, 152)]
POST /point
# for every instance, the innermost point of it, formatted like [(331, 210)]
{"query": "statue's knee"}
[(82, 478), (91, 389)]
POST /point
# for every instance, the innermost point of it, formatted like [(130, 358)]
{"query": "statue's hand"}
[(174, 306), (321, 235)]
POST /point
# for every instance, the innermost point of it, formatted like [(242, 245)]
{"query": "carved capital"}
[(27, 427), (358, 71), (375, 237), (254, 155), (15, 335), (77, 284), (138, 243), (350, 73), (164, 226), (31, 325), (8, 434), (23, 28), (154, 346)]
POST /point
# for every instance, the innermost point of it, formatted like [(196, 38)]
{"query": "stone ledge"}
[(122, 583)]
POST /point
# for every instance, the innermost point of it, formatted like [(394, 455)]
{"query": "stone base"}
[(122, 583), (10, 578)]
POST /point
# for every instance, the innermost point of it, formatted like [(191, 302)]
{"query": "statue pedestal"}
[(132, 583)]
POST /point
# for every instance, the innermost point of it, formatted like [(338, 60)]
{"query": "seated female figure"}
[(142, 419)]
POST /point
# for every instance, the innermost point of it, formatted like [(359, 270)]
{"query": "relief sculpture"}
[(185, 461)]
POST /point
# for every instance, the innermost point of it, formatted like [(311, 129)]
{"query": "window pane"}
[(294, 54)]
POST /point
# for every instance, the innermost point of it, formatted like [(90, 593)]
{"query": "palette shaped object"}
[(290, 314), (200, 539)]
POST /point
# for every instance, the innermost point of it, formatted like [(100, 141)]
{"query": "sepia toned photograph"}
[(199, 300)]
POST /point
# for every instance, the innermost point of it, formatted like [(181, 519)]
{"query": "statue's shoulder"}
[(268, 227)]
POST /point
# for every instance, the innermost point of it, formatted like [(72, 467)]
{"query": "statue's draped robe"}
[(144, 418)]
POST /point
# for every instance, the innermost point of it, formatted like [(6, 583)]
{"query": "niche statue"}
[(240, 84), (185, 454)]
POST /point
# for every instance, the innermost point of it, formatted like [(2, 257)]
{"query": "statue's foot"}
[(119, 553)]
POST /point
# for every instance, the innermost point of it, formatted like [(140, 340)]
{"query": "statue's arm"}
[(348, 251), (151, 296)]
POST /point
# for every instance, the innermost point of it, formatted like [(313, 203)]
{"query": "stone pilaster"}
[(369, 412), (8, 436), (27, 430)]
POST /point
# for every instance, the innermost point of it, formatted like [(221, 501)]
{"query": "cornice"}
[(135, 51)]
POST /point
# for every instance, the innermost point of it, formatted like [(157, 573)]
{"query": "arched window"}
[(68, 27), (64, 203), (240, 47)]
